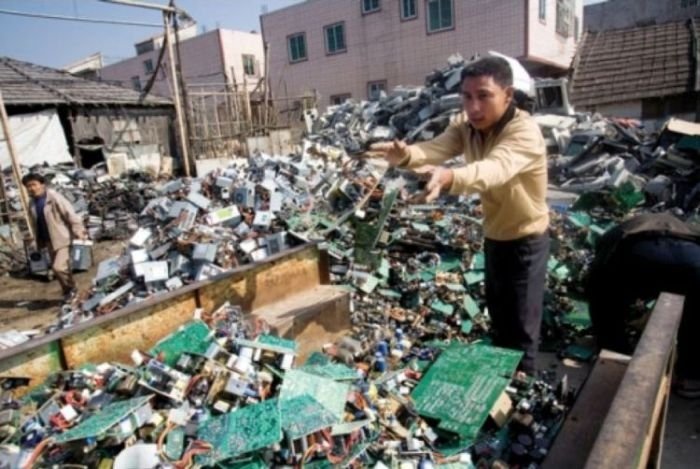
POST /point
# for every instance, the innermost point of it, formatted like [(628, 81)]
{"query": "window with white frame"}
[(136, 83), (408, 9), (297, 47), (440, 15), (370, 6), (148, 66), (337, 99), (565, 15), (335, 38), (249, 64), (542, 10), (375, 88)]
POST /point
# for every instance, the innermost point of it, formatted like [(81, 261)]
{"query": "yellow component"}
[(106, 464)]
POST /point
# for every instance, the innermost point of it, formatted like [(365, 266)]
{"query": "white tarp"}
[(38, 138)]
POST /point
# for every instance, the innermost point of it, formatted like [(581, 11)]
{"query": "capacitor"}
[(379, 362)]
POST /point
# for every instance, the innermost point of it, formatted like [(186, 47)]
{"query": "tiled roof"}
[(635, 63), (24, 83)]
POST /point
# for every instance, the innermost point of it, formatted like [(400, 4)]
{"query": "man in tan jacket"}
[(56, 225), (506, 164)]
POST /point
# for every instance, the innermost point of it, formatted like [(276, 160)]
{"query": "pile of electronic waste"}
[(222, 392)]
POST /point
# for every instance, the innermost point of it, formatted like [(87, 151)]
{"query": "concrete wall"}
[(206, 60), (545, 45), (615, 14), (380, 46)]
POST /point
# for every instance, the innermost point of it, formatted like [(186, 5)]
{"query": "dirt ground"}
[(33, 302)]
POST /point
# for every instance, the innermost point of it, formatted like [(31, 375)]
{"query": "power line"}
[(80, 19)]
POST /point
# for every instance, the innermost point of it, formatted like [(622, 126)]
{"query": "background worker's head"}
[(35, 184), (487, 91)]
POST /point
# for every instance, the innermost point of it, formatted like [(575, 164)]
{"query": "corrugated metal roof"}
[(24, 83), (635, 63)]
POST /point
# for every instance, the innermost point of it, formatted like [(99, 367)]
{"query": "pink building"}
[(354, 48), (217, 57)]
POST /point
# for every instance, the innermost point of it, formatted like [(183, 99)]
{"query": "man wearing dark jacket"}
[(637, 260)]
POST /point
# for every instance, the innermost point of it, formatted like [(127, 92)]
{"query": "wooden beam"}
[(16, 170), (578, 434), (635, 412)]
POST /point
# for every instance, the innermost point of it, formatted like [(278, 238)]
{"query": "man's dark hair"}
[(33, 177), (495, 67)]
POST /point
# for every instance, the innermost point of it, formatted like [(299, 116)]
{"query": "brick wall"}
[(380, 46)]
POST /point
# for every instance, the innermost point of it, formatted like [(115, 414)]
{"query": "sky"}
[(58, 43)]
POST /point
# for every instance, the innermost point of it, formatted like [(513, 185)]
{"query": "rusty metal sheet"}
[(115, 340), (264, 283), (37, 363)]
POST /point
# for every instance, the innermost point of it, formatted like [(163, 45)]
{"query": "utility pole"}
[(184, 140), (16, 172), (168, 11)]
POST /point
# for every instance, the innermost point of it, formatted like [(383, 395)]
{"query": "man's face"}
[(35, 189), (485, 101)]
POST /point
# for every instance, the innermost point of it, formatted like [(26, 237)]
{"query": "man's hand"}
[(393, 152), (440, 179)]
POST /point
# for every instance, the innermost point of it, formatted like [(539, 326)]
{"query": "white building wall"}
[(545, 44), (206, 60)]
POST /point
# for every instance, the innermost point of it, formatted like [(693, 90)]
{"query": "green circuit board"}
[(304, 415), (98, 424), (239, 432), (461, 387), (331, 394), (193, 337)]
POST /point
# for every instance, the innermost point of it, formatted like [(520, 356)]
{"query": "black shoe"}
[(69, 295), (688, 388)]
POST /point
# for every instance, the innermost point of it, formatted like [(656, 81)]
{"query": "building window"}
[(143, 47), (148, 66), (136, 83), (440, 15), (375, 88), (335, 38), (249, 64), (408, 9), (542, 12), (688, 3), (577, 28), (565, 14), (370, 6), (337, 99), (297, 47)]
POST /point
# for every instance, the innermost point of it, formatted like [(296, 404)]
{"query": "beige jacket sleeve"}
[(518, 150), (445, 146), (74, 221)]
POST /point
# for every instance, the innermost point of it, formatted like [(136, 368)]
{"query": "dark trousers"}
[(515, 277), (640, 269)]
